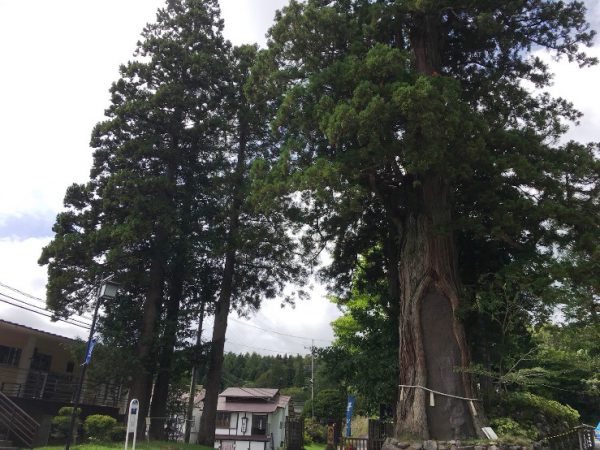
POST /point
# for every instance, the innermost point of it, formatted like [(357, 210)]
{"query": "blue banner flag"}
[(90, 349), (349, 408)]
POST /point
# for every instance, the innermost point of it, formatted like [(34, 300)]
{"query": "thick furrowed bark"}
[(433, 347)]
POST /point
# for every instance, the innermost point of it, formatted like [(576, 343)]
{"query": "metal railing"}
[(50, 386), (17, 422)]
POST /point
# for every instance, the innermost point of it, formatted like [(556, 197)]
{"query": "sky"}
[(59, 59)]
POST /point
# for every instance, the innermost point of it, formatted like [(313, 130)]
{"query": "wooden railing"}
[(17, 422), (378, 432)]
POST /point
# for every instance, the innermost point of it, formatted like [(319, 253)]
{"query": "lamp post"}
[(108, 290)]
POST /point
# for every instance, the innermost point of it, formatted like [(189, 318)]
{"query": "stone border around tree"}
[(394, 444)]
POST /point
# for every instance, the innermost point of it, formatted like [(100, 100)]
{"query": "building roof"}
[(257, 393), (237, 399), (225, 406), (18, 325), (284, 400)]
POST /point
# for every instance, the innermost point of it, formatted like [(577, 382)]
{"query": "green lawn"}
[(314, 446), (141, 445)]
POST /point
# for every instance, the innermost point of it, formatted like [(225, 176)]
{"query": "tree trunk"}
[(190, 404), (432, 339), (433, 347), (160, 395), (141, 386), (206, 435)]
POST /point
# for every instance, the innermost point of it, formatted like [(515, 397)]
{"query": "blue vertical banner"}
[(88, 352), (349, 408)]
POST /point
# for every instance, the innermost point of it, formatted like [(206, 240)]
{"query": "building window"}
[(223, 420), (259, 424), (10, 355), (70, 367), (40, 361)]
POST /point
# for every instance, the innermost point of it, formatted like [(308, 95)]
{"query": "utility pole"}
[(190, 405), (106, 290), (312, 378)]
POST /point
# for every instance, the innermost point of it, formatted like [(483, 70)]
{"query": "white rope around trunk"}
[(432, 393)]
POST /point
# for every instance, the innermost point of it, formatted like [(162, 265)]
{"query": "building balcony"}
[(58, 387)]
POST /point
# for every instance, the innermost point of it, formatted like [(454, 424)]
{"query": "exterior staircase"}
[(7, 445), (15, 424)]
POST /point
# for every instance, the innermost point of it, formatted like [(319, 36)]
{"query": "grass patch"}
[(140, 444), (314, 446)]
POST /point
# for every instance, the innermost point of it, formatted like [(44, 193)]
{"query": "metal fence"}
[(58, 387)]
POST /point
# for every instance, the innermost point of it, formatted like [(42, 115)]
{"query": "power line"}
[(33, 297), (79, 321), (42, 314), (280, 333), (256, 348)]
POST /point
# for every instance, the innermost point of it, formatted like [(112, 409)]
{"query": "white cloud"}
[(293, 329), (247, 22), (19, 270), (579, 86)]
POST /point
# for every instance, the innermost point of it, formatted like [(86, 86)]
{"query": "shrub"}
[(534, 413), (61, 422), (98, 427), (507, 428), (313, 431), (117, 434)]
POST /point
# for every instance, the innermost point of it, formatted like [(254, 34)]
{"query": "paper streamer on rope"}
[(432, 399)]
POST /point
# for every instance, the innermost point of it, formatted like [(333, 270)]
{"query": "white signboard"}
[(490, 434), (132, 421)]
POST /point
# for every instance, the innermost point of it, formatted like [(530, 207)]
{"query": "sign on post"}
[(132, 421)]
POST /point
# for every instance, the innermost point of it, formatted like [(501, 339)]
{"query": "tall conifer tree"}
[(259, 250), (146, 203), (419, 108)]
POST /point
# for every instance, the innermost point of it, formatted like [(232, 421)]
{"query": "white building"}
[(251, 419)]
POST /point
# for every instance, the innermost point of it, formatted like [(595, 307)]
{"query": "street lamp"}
[(106, 290)]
